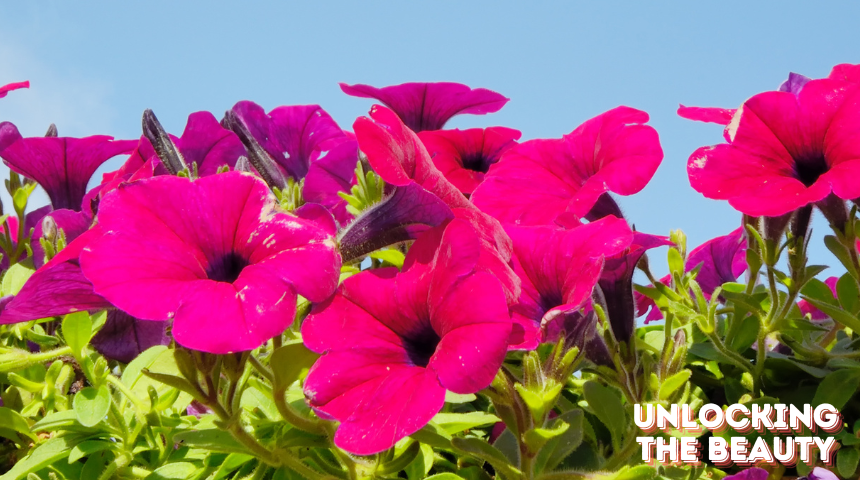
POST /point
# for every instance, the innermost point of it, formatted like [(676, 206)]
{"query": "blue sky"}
[(95, 66)]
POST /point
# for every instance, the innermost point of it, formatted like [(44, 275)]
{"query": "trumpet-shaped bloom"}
[(538, 180), (393, 342), (465, 156), (428, 106), (5, 89), (212, 254), (786, 149), (306, 143), (616, 283), (61, 165), (720, 260), (558, 269)]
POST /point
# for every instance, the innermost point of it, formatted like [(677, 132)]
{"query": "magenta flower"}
[(393, 342), (749, 474), (616, 283), (538, 180), (428, 106), (5, 89), (306, 143), (559, 269), (61, 165), (720, 260), (846, 72), (786, 149), (721, 116), (464, 156), (212, 254)]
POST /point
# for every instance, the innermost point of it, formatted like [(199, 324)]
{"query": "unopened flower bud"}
[(257, 155), (49, 229), (164, 148), (52, 131)]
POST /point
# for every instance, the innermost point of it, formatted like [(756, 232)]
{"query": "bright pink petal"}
[(717, 115), (5, 89), (332, 170), (428, 106), (208, 144)]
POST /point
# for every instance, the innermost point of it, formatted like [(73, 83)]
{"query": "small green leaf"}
[(676, 262), (673, 383), (837, 388), (178, 471), (537, 438), (433, 435), (451, 397), (607, 406), (91, 405), (390, 255), (558, 448), (43, 455), (211, 439), (289, 362), (15, 278), (482, 450), (848, 294), (444, 476), (85, 449), (14, 421), (836, 313), (77, 330), (846, 461), (640, 472), (458, 422), (420, 467)]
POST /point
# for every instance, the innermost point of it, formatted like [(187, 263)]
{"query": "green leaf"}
[(77, 331), (85, 449), (444, 476), (457, 422), (640, 472), (178, 470), (537, 438), (56, 421), (390, 255), (420, 467), (163, 366), (837, 388), (91, 405), (607, 406), (673, 383), (43, 455), (211, 439), (484, 451), (839, 251), (433, 435), (836, 313), (132, 374), (818, 290), (15, 278), (451, 397), (14, 421), (848, 294), (676, 262), (288, 363), (557, 449), (846, 461)]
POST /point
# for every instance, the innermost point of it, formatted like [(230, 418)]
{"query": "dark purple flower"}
[(428, 106), (124, 337), (61, 165)]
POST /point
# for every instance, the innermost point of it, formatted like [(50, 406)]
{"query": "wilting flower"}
[(306, 143), (558, 269), (212, 254), (428, 106), (393, 342), (538, 180), (464, 156), (720, 260), (5, 89), (786, 149), (61, 165), (616, 283)]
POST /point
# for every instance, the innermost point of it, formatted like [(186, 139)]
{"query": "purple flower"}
[(61, 165), (5, 89), (428, 106), (124, 337), (306, 143), (393, 342), (819, 473), (538, 180), (749, 474), (212, 254), (559, 269)]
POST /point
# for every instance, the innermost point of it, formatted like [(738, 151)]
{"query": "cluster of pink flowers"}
[(510, 244)]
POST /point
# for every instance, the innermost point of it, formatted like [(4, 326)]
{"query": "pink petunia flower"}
[(538, 180), (393, 342), (306, 143), (61, 165), (785, 149), (558, 269), (212, 254), (749, 474), (465, 156), (846, 72), (721, 259), (5, 89), (428, 106)]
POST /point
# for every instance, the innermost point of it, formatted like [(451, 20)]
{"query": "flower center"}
[(227, 268), (420, 346), (477, 163), (807, 170)]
